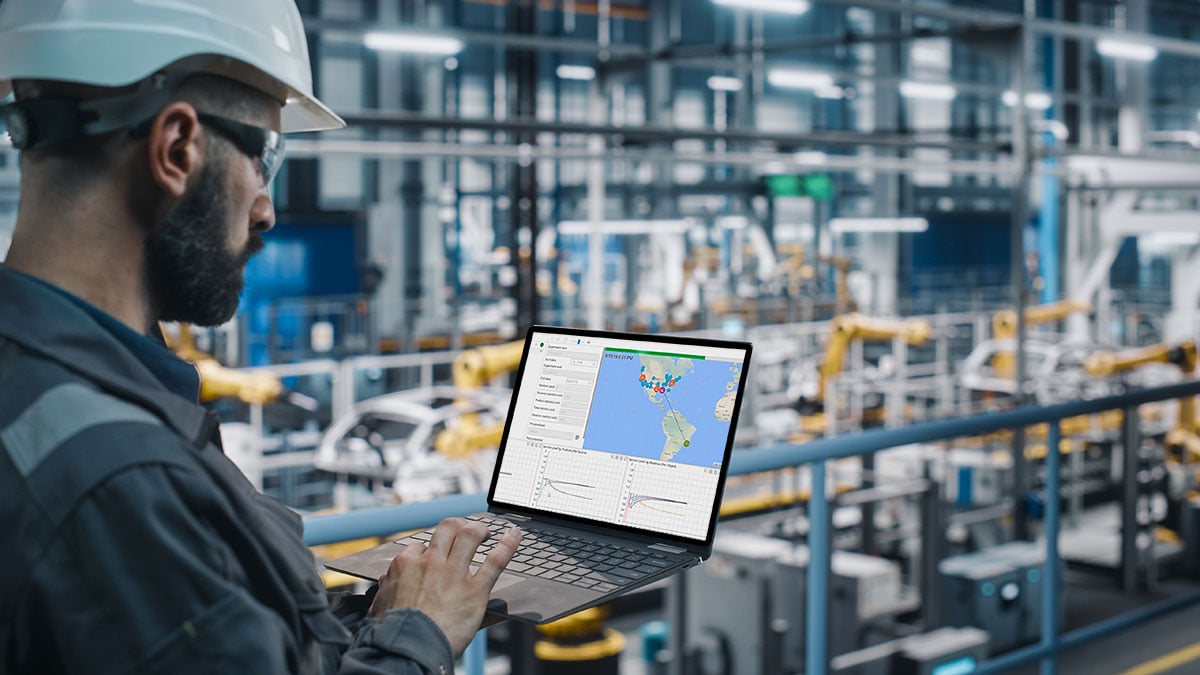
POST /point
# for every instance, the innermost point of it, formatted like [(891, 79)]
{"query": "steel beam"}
[(996, 19), (661, 134), (786, 161)]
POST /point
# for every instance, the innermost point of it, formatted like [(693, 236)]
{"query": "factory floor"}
[(1168, 645)]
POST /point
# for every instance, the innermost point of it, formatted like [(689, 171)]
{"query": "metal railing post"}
[(818, 574), (475, 655), (1050, 575), (932, 539), (1129, 500), (676, 612)]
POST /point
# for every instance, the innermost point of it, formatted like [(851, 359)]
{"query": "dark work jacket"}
[(132, 544)]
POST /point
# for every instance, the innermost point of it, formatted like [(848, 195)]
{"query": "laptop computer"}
[(612, 463)]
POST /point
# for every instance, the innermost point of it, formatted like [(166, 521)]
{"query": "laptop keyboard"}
[(567, 559)]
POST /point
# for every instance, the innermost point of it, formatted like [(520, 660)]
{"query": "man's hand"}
[(436, 579)]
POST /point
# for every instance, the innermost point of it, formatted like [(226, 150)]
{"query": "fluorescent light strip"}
[(413, 44), (1120, 49), (582, 73), (576, 227), (927, 55), (832, 92), (723, 83), (1034, 100), (841, 225), (799, 79), (780, 6), (811, 158), (928, 90)]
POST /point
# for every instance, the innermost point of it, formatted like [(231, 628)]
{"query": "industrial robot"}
[(845, 330)]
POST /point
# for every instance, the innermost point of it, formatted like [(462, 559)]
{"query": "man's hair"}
[(78, 163)]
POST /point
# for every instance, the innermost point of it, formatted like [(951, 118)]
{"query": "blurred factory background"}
[(916, 210)]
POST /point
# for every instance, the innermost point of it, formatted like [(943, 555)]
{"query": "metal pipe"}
[(882, 492), (778, 456), (386, 520)]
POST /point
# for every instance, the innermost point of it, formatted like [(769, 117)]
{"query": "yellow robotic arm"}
[(845, 301), (476, 367), (1182, 355), (1109, 363), (1004, 322), (1004, 327), (217, 381), (473, 369), (850, 327)]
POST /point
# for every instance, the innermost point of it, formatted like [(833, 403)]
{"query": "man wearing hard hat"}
[(149, 133)]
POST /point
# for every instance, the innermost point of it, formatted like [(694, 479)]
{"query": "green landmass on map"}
[(678, 431)]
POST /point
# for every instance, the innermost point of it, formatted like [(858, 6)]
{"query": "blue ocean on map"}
[(624, 420)]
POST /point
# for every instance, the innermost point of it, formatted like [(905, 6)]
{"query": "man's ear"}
[(175, 147)]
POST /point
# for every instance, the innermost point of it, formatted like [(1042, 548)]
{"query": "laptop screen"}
[(623, 429)]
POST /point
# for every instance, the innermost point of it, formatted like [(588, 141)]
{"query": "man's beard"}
[(194, 277)]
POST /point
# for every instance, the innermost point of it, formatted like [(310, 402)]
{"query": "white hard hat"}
[(113, 43)]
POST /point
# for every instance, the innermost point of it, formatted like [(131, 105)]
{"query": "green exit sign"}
[(819, 186)]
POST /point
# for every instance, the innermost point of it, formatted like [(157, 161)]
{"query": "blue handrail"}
[(387, 520)]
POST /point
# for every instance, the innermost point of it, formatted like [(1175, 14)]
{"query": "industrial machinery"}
[(389, 441), (1183, 436), (845, 330), (997, 589), (579, 644), (842, 267), (747, 605), (1181, 442), (1004, 327), (471, 370), (938, 652), (217, 381)]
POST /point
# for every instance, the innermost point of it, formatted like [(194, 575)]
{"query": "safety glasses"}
[(263, 145)]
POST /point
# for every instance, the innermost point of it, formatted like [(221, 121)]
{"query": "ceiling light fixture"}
[(582, 73), (413, 44), (780, 6), (799, 79), (724, 83), (1034, 100), (928, 90), (811, 158), (832, 92), (842, 225), (1122, 49), (929, 53)]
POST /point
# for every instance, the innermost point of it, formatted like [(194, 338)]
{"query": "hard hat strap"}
[(41, 123)]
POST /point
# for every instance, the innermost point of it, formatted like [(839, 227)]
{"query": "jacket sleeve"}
[(141, 579), (403, 641)]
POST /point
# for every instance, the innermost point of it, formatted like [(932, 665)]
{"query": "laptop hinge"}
[(667, 548)]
